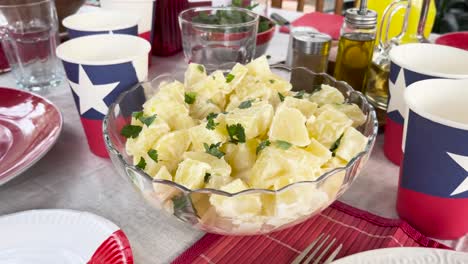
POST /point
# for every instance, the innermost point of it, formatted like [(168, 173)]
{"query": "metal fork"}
[(316, 250)]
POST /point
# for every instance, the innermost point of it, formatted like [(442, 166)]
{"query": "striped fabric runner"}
[(357, 230)]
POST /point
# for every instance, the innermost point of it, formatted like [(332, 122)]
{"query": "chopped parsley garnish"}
[(272, 81), (283, 144), (148, 120), (137, 115), (207, 177), (281, 96), (190, 97), (213, 150), (142, 163), (265, 143), (211, 122), (268, 57), (236, 133), (246, 104), (131, 131), (212, 115), (201, 68), (153, 154), (229, 78), (335, 146), (300, 94)]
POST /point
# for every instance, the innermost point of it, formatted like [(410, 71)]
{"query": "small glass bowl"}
[(258, 211)]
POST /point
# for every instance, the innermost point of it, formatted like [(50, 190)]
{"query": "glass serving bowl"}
[(257, 210)]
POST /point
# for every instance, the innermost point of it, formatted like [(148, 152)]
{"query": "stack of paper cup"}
[(101, 22), (143, 8), (99, 68)]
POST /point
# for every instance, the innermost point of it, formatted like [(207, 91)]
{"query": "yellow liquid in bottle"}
[(355, 52), (377, 89), (397, 22), (377, 85)]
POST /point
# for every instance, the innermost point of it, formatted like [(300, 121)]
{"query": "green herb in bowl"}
[(223, 17)]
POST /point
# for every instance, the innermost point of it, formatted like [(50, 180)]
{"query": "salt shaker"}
[(309, 49)]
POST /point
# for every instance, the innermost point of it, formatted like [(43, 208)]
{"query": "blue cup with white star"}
[(101, 22), (411, 63), (433, 185), (99, 68)]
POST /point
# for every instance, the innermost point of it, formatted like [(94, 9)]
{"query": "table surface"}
[(70, 177)]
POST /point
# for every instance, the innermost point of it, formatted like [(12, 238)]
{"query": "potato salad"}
[(243, 130)]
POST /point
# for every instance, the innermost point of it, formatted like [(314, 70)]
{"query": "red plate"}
[(455, 39), (29, 127)]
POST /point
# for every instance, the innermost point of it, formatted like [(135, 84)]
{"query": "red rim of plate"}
[(36, 154), (116, 249), (113, 245)]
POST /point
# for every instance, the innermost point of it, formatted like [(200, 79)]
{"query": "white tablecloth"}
[(69, 176)]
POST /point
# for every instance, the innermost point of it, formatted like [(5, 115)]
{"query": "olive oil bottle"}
[(354, 56), (356, 46), (376, 90)]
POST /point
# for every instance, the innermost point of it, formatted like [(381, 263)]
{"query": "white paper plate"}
[(406, 255), (60, 236)]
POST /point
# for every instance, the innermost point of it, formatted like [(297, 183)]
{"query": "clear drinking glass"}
[(29, 36), (218, 37)]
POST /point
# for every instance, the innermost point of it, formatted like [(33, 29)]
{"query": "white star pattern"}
[(462, 161), (397, 100), (91, 96)]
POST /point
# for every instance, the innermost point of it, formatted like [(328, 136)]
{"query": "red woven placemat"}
[(357, 230)]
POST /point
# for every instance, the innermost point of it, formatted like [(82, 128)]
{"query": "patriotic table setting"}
[(70, 187)]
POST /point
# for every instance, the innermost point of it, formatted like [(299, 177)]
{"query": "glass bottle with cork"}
[(356, 46)]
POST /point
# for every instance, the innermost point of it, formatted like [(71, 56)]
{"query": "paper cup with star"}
[(101, 22), (411, 63), (99, 68), (433, 185)]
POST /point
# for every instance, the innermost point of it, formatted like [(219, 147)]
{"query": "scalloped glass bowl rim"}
[(370, 142)]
